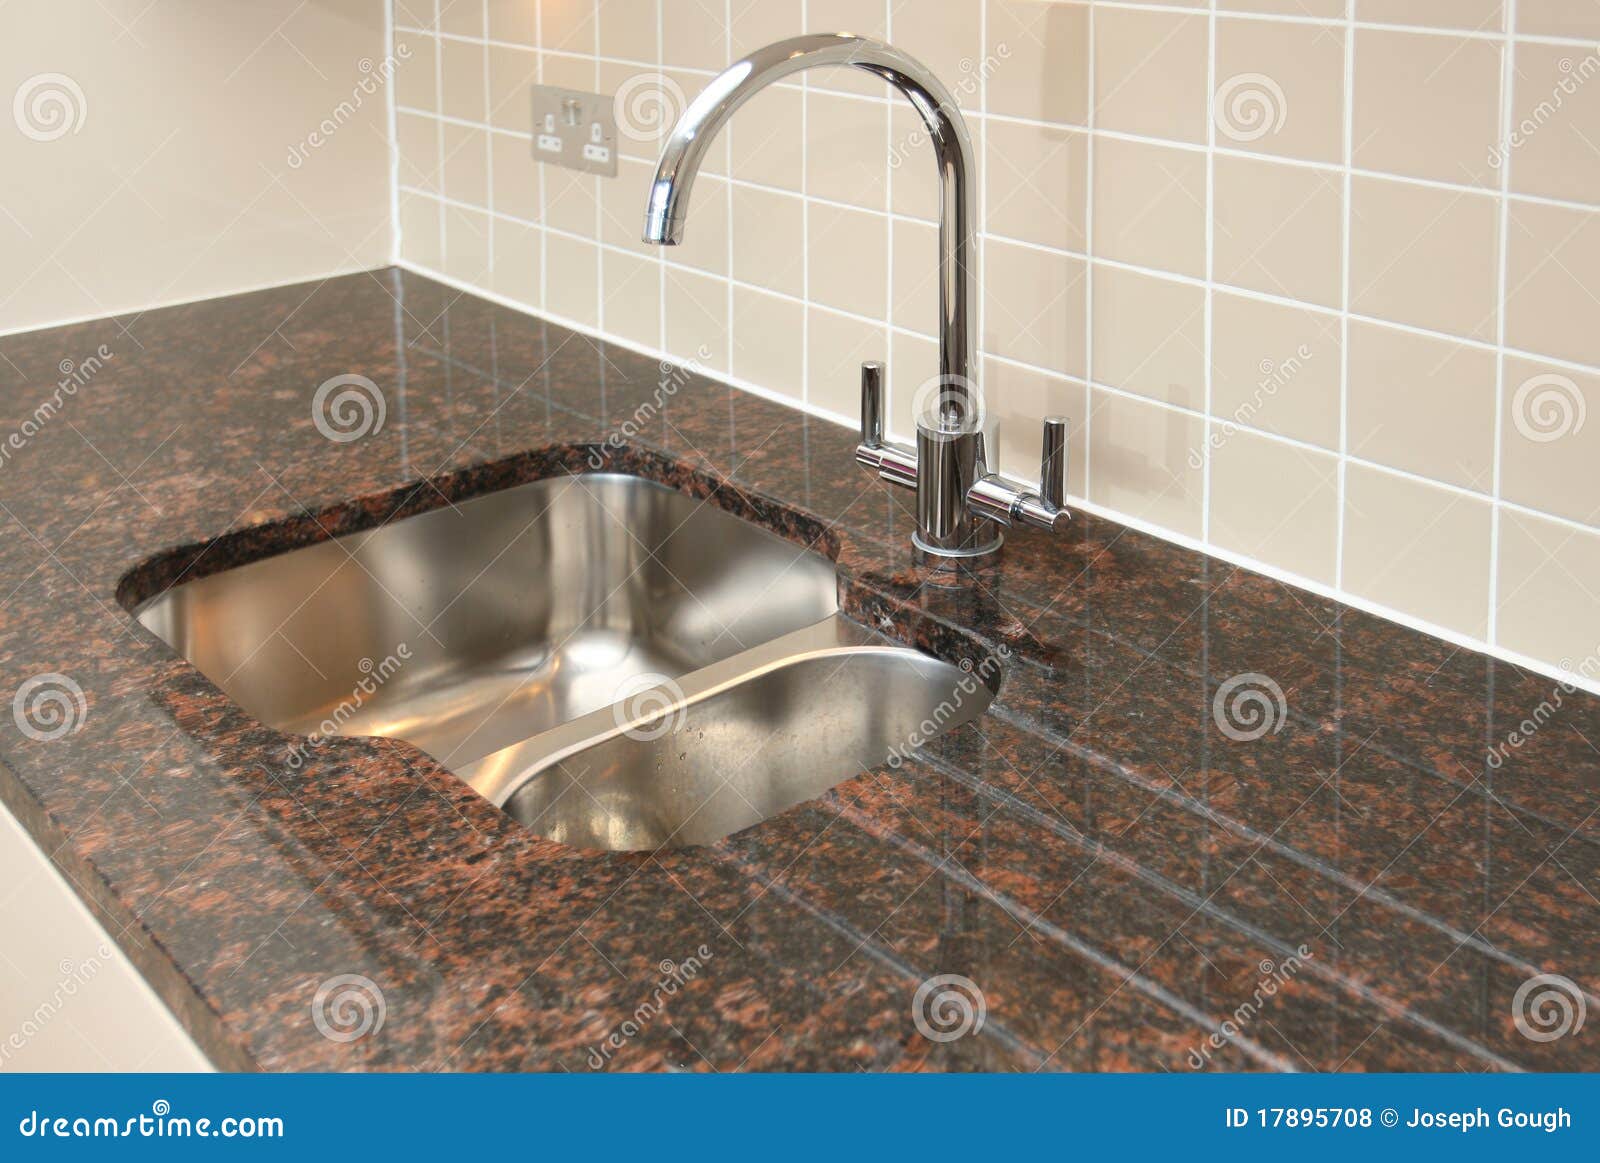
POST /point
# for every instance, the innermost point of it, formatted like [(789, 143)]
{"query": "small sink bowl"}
[(614, 663)]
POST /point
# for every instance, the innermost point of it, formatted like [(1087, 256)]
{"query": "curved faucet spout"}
[(691, 137)]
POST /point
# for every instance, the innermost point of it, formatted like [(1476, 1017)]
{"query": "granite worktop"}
[(1211, 821)]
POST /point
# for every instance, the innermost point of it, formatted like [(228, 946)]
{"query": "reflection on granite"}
[(1132, 872)]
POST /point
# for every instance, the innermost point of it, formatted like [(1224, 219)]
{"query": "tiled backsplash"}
[(1317, 280)]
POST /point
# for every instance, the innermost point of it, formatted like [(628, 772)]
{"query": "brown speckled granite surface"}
[(1111, 870)]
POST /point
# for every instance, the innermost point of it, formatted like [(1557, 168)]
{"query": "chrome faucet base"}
[(961, 554)]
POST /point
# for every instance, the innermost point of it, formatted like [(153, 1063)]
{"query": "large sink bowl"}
[(614, 663)]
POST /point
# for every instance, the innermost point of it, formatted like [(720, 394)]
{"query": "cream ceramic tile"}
[(1280, 89), (1277, 503), (1422, 404), (769, 241), (755, 25), (769, 342), (1034, 307), (847, 257), (567, 25), (570, 201), (420, 231), (697, 316), (1550, 440), (1555, 144), (766, 139), (913, 362), (1577, 18), (1315, 9), (847, 150), (514, 21), (1040, 55), (1150, 205), (630, 304), (516, 177), (913, 172), (628, 30), (622, 202), (461, 66), (1417, 548), (517, 262), (1552, 302), (945, 35), (1150, 72), (418, 141), (1149, 336), (467, 245), (461, 17), (647, 102), (466, 164), (573, 72), (416, 14), (1276, 368), (572, 279), (1427, 106), (915, 276), (694, 35), (705, 237), (416, 82), (1139, 461), (1278, 229), (1424, 256), (1016, 399), (1548, 599), (512, 72), (1038, 184), (836, 347), (1471, 15)]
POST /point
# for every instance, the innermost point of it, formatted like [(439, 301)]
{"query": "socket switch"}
[(575, 129)]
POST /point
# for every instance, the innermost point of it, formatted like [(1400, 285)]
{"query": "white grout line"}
[(1209, 455), (393, 124), (1508, 114), (1341, 517)]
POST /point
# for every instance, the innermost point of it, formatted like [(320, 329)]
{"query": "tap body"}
[(959, 502)]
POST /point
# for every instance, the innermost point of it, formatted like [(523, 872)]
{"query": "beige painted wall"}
[(69, 998), (145, 145), (1309, 300)]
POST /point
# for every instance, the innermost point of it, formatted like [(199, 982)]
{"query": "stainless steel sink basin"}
[(614, 663)]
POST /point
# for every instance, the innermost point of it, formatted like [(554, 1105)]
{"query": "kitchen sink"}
[(614, 663)]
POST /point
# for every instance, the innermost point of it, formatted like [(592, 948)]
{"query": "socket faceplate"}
[(575, 129)]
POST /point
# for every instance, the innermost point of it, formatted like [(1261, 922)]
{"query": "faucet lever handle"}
[(1053, 463), (872, 404)]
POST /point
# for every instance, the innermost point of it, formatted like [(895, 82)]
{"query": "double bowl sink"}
[(613, 663)]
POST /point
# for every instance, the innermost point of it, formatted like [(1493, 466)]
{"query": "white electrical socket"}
[(575, 129)]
